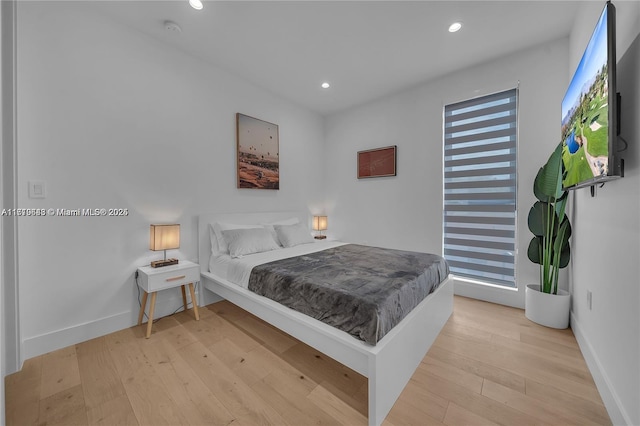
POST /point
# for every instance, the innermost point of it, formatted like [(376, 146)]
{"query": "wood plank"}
[(405, 412), (177, 335), (287, 391), (116, 411), (457, 415), (423, 400), (237, 397), (251, 366), (22, 393), (562, 337), (574, 404), (485, 324), (100, 380), (228, 310), (64, 408), (336, 407), (267, 334), (538, 409), (472, 401), (553, 345), (479, 368), (209, 330), (290, 412), (238, 335), (59, 371), (359, 401), (463, 378), (319, 367), (495, 311), (457, 328), (571, 367), (149, 398), (189, 394)]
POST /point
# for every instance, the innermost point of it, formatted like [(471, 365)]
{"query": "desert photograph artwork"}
[(258, 153)]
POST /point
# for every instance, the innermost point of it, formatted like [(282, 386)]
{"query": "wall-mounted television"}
[(590, 111)]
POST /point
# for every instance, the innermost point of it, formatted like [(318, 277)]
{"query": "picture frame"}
[(258, 153), (377, 162)]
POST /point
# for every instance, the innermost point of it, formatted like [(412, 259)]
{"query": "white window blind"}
[(480, 141)]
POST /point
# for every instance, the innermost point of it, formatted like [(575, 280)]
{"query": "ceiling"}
[(364, 49)]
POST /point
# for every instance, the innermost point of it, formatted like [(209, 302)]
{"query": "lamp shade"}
[(164, 237), (319, 223)]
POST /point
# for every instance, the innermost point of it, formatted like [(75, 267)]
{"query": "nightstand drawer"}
[(156, 279)]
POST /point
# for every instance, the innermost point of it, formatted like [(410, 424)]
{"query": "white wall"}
[(606, 237), (406, 211), (110, 118)]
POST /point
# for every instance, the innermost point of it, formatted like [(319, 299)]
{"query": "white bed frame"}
[(389, 365)]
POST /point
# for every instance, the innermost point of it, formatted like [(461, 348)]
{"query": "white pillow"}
[(248, 241), (218, 227), (292, 235), (269, 226)]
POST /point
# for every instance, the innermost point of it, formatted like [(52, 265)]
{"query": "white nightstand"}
[(151, 280)]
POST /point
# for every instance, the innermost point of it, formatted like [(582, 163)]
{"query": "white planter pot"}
[(550, 310)]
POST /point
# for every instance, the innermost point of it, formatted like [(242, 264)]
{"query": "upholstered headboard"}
[(204, 242)]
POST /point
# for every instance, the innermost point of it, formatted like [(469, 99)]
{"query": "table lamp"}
[(320, 224), (164, 237)]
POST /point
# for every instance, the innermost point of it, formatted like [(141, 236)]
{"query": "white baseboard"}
[(58, 339), (608, 394)]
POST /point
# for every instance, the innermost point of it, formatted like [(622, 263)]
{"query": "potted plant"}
[(545, 303)]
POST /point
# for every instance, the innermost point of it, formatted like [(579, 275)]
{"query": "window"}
[(480, 141)]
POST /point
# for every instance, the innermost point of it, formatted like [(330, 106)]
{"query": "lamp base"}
[(161, 263), (320, 237)]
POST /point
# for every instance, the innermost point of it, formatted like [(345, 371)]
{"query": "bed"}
[(388, 365)]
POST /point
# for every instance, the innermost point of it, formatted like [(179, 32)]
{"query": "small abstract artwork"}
[(258, 153), (377, 162)]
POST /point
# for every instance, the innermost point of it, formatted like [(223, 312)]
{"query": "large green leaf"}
[(547, 185), (565, 256), (534, 250), (560, 205), (567, 234), (561, 243), (538, 218)]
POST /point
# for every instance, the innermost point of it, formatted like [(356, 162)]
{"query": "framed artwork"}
[(258, 153), (377, 162)]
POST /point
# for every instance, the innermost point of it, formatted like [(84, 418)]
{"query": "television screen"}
[(589, 108)]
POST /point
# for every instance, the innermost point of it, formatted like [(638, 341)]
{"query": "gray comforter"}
[(362, 290)]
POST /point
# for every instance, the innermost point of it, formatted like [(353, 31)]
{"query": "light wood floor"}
[(490, 365)]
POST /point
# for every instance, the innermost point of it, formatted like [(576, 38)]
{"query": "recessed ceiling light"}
[(455, 27), (325, 85), (196, 4)]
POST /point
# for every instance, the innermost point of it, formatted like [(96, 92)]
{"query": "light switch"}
[(36, 189)]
